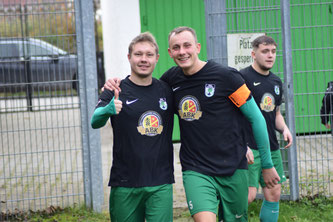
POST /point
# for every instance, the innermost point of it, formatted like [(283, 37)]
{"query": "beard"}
[(264, 68)]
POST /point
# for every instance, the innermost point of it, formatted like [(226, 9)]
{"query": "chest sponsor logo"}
[(131, 101), (209, 90), (267, 103), (189, 108), (163, 104), (150, 124), (256, 83), (277, 90)]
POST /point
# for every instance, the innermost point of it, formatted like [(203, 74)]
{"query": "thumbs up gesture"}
[(117, 103)]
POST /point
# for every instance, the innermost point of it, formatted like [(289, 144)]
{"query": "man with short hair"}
[(211, 102), (142, 120), (266, 89)]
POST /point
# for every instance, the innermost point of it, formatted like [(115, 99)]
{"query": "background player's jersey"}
[(267, 92), (210, 124), (142, 141)]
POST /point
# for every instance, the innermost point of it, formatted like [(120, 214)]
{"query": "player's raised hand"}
[(117, 103)]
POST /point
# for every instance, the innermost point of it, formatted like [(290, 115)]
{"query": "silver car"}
[(36, 63)]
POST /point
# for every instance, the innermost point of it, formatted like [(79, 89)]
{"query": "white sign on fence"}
[(239, 49)]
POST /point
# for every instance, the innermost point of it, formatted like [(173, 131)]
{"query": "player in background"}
[(266, 89)]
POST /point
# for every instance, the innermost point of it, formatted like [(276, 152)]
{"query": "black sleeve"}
[(166, 77), (169, 75)]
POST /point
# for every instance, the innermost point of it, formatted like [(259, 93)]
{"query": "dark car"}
[(36, 63)]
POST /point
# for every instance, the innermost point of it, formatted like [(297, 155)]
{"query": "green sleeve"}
[(259, 128), (102, 114)]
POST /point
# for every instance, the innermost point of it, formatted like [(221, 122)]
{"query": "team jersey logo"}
[(267, 103), (189, 108), (277, 90), (163, 104), (209, 90), (150, 124)]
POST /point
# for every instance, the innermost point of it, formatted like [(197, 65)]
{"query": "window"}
[(36, 50), (9, 50)]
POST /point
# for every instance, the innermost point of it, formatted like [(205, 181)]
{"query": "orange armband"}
[(240, 96)]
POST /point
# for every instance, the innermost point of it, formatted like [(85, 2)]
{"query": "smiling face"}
[(264, 57), (143, 59), (184, 50)]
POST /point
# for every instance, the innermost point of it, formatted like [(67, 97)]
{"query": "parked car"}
[(36, 63), (28, 61), (100, 71)]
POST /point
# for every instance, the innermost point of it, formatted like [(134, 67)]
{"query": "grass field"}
[(307, 209)]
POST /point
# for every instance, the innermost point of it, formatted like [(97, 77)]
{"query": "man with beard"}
[(266, 89)]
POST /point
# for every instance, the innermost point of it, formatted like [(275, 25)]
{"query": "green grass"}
[(305, 210), (57, 214)]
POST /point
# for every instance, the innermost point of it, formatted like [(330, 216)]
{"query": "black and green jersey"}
[(142, 141), (210, 123), (267, 92)]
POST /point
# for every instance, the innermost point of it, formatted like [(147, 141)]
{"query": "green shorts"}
[(139, 204), (255, 175), (226, 196)]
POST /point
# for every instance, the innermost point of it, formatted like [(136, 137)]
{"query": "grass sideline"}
[(307, 209)]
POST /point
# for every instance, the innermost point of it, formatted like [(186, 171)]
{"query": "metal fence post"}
[(92, 159), (216, 31), (289, 95)]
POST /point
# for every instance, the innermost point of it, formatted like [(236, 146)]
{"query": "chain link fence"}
[(43, 151)]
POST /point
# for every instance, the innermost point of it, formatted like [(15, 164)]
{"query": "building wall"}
[(121, 23)]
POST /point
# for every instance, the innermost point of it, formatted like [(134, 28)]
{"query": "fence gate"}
[(43, 106), (303, 31)]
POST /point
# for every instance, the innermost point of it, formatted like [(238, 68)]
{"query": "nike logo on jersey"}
[(175, 88), (238, 216), (256, 83), (130, 102)]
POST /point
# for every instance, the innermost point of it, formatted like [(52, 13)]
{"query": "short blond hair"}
[(143, 37)]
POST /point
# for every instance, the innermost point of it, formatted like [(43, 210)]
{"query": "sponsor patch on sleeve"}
[(240, 96)]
